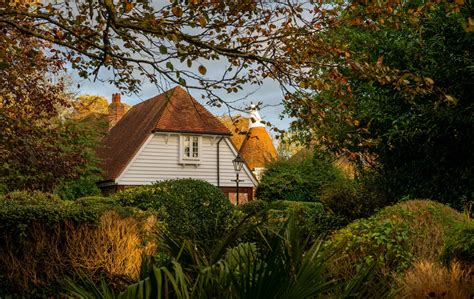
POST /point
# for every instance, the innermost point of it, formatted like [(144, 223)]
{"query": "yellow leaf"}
[(177, 11), (202, 21), (429, 81), (451, 99)]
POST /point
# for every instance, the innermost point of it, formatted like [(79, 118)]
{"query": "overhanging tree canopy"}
[(174, 42)]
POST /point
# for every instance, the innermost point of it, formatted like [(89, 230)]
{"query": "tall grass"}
[(427, 279), (111, 249)]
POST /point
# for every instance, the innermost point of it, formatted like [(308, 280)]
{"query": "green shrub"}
[(394, 237), (312, 217), (30, 196), (190, 208), (297, 179), (253, 207), (83, 186), (16, 214), (459, 245), (350, 200)]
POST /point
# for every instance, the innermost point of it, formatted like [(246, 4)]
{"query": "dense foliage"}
[(411, 119), (278, 265), (351, 199), (395, 237), (190, 208), (39, 148), (254, 207), (20, 209), (313, 218), (45, 238), (459, 245), (300, 178)]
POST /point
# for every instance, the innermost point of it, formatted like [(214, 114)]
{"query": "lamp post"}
[(238, 163)]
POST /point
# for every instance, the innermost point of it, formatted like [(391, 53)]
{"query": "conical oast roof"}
[(258, 149)]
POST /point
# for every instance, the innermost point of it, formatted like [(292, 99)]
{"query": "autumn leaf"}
[(177, 11), (128, 7), (202, 70), (429, 81), (451, 100), (202, 21)]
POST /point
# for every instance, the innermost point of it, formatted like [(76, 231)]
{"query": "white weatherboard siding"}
[(158, 159)]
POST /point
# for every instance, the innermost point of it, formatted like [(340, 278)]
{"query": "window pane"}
[(195, 147), (187, 146)]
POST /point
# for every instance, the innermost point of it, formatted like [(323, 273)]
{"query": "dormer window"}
[(190, 149)]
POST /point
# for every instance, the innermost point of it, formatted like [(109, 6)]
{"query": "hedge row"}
[(18, 210)]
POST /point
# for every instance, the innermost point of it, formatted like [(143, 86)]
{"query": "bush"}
[(297, 179), (253, 207), (459, 245), (43, 241), (311, 217), (30, 196), (394, 237), (350, 200), (83, 186), (193, 209)]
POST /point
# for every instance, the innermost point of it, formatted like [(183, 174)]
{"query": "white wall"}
[(158, 159)]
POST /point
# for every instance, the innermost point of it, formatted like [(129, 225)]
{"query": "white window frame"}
[(183, 159)]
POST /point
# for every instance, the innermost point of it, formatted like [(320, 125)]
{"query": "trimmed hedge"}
[(254, 206), (190, 208), (312, 217), (20, 209)]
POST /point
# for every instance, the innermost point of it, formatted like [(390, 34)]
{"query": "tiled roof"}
[(258, 149), (171, 111)]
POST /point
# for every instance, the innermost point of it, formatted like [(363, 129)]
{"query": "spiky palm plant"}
[(280, 266)]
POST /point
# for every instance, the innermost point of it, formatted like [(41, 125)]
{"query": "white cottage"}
[(167, 137)]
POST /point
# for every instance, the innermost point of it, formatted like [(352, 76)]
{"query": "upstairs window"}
[(190, 149)]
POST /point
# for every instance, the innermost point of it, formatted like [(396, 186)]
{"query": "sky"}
[(269, 93)]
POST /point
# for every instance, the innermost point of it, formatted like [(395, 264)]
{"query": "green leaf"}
[(163, 49)]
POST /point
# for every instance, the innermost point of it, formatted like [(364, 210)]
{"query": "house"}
[(167, 137)]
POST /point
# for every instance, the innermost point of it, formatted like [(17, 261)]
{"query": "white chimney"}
[(255, 118)]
